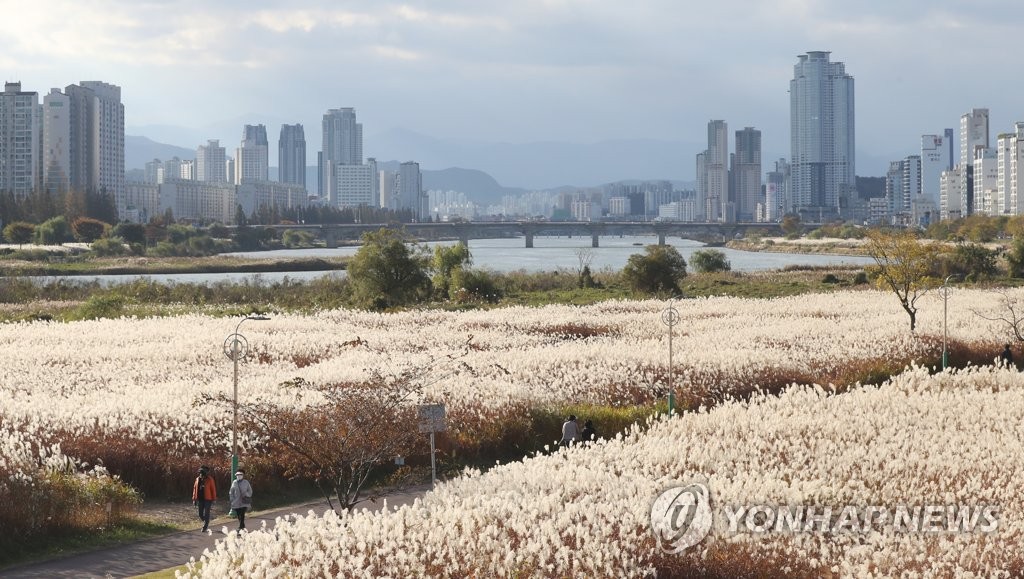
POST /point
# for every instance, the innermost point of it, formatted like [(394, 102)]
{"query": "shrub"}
[(53, 231), (109, 246), (860, 278), (19, 232), (130, 232), (709, 261), (658, 269), (88, 229), (829, 278)]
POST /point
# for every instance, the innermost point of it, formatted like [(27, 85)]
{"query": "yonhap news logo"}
[(682, 516)]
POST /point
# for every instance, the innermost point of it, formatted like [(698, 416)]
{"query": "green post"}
[(234, 469)]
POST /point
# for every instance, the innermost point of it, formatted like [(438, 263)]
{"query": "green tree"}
[(53, 231), (446, 261), (1015, 258), (658, 269), (20, 232), (388, 271), (973, 260), (791, 224), (709, 261), (903, 264), (88, 229), (130, 232)]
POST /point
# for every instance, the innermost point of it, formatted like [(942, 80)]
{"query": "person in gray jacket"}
[(241, 497)]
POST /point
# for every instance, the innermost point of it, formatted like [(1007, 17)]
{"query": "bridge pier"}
[(529, 239), (661, 238), (594, 240), (331, 238)]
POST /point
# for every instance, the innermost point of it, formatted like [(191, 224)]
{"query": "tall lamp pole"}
[(945, 309), (235, 348), (670, 317)]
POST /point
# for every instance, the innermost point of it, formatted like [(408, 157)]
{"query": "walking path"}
[(172, 550)]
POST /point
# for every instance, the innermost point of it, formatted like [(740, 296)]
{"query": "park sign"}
[(431, 417)]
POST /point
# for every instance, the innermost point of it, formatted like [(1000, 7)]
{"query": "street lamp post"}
[(670, 317), (945, 300), (235, 348)]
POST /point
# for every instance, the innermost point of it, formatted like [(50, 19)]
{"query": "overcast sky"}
[(526, 70)]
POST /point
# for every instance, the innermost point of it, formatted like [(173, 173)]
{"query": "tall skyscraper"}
[(747, 174), (291, 155), (1010, 152), (56, 142), (717, 171), (822, 135), (701, 197), (409, 189), (936, 157), (252, 159), (20, 166), (974, 136), (342, 145), (211, 163), (97, 138)]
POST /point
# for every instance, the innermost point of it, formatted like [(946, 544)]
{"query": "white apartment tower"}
[(357, 185), (1010, 158), (747, 178), (716, 170), (936, 157), (822, 134), (56, 142), (342, 145), (985, 175), (974, 135), (291, 155), (20, 167), (211, 163), (252, 159)]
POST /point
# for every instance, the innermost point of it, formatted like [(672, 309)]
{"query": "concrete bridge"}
[(466, 230)]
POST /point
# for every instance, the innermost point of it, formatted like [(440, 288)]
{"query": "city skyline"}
[(634, 74)]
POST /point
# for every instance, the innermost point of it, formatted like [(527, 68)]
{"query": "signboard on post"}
[(431, 418)]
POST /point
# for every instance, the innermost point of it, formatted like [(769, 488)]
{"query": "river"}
[(503, 255)]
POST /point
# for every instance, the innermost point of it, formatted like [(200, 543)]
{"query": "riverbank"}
[(167, 265), (826, 246)]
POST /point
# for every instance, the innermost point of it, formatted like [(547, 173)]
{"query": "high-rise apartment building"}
[(949, 193), (985, 174), (936, 157), (342, 145), (716, 171), (701, 199), (211, 163), (409, 189), (56, 143), (357, 184), (20, 166), (97, 138), (822, 135), (747, 174), (1010, 161), (291, 155), (252, 159), (776, 192), (974, 135)]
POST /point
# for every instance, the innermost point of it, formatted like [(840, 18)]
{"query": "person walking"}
[(1006, 356), (204, 493), (588, 434), (241, 497), (570, 431)]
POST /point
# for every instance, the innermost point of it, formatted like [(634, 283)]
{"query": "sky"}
[(520, 71)]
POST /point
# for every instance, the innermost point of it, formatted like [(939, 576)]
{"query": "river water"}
[(503, 255)]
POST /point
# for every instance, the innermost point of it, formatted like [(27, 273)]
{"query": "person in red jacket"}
[(204, 492)]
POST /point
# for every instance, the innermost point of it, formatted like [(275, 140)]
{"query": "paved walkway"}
[(172, 550)]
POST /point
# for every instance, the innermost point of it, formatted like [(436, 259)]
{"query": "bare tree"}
[(1012, 314), (584, 255), (340, 434)]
